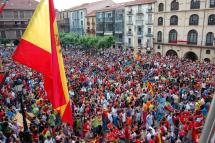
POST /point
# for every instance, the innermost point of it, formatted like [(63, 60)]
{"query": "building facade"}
[(63, 21), (15, 17), (78, 15), (138, 27), (185, 29), (110, 21), (91, 23)]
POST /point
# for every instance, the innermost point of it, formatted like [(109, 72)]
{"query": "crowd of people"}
[(117, 96)]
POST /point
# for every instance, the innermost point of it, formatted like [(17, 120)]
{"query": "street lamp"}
[(19, 91)]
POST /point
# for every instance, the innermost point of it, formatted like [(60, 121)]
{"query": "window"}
[(159, 36), (192, 37), (160, 7), (173, 36), (129, 41), (81, 14), (159, 47), (209, 39), (139, 42), (174, 5), (1, 15), (194, 19), (211, 19), (15, 14), (3, 35), (21, 14), (160, 21), (195, 4), (174, 20), (212, 3), (149, 30), (208, 52), (130, 19)]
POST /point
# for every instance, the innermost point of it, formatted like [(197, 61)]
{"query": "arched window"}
[(159, 36), (212, 3), (160, 21), (194, 19), (211, 19), (192, 37), (160, 7), (174, 20), (175, 5), (173, 36), (195, 4), (210, 39)]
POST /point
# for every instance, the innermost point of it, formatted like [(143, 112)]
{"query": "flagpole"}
[(208, 130)]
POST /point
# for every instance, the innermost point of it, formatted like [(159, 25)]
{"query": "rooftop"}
[(90, 7), (21, 5), (137, 2)]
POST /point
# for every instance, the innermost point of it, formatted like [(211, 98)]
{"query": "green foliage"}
[(87, 42), (4, 41)]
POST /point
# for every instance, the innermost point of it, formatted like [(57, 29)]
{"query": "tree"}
[(4, 41)]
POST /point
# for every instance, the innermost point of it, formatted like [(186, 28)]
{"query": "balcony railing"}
[(149, 23), (130, 33), (139, 22), (109, 19), (130, 23), (130, 12), (139, 11), (149, 35), (13, 26), (140, 33), (149, 10)]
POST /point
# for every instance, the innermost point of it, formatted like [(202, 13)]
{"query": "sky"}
[(64, 4)]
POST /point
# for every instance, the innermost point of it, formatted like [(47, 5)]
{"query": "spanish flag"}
[(40, 49)]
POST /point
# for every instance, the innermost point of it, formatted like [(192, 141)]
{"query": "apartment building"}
[(15, 17), (77, 16), (91, 23), (185, 28), (110, 21), (139, 18)]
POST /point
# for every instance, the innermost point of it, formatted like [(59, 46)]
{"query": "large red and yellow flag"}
[(40, 49)]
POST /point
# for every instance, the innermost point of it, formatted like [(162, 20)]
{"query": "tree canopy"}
[(86, 41)]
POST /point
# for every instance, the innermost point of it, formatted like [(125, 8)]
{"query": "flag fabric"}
[(150, 87), (40, 49), (3, 5)]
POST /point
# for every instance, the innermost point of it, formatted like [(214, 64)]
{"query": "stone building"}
[(185, 28), (138, 27), (15, 17)]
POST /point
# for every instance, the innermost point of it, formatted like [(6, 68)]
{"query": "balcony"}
[(149, 23), (109, 19), (139, 22), (140, 46), (14, 26), (149, 35), (130, 23), (130, 12), (139, 12), (139, 33), (149, 10), (88, 23), (130, 33)]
